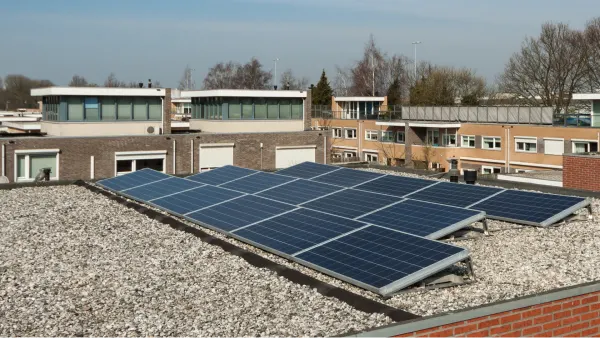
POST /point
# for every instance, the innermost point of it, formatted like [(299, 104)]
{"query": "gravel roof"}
[(73, 262), (70, 240)]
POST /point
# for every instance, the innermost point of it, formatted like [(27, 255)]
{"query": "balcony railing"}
[(572, 120)]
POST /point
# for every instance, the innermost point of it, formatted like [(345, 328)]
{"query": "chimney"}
[(149, 83), (141, 84)]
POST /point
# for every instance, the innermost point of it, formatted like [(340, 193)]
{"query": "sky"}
[(142, 39)]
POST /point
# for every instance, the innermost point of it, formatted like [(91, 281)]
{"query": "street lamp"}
[(275, 77), (415, 43)]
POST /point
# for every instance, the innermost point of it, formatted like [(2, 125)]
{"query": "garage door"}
[(214, 155), (289, 156)]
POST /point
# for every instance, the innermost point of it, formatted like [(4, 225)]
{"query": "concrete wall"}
[(246, 126), (571, 311), (581, 172), (111, 128), (76, 153)]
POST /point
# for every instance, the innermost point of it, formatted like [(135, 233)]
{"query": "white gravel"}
[(73, 262)]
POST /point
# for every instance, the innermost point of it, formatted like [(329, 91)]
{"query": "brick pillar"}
[(166, 127), (308, 110)]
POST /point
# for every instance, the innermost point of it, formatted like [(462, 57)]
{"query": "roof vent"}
[(149, 83), (150, 130), (470, 176), (141, 84)]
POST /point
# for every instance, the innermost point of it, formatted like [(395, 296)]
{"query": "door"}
[(289, 156)]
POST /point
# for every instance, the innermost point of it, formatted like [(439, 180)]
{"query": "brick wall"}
[(75, 153), (581, 172), (308, 110), (574, 316), (167, 112)]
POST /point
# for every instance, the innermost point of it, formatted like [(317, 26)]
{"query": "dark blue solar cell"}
[(255, 183), (297, 230), (351, 203), (536, 208), (161, 188), (347, 177), (300, 191), (133, 179), (395, 185), (192, 200), (307, 170), (456, 194), (423, 219), (239, 212), (221, 175), (378, 257)]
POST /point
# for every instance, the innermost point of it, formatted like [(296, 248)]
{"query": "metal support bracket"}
[(485, 227)]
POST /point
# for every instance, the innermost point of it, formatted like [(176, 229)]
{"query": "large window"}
[(28, 163), (371, 135), (285, 110), (582, 146), (247, 109), (468, 141), (154, 108), (109, 108), (387, 136), (273, 110), (124, 108), (91, 106), (526, 144), (433, 137), (449, 140), (126, 162), (235, 110), (260, 109), (492, 143), (140, 108), (297, 109), (75, 108)]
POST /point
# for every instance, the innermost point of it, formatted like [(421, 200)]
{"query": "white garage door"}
[(289, 156), (554, 146), (214, 155)]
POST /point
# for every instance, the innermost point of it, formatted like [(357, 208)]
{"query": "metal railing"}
[(572, 120)]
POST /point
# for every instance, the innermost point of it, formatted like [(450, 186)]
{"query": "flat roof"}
[(244, 93), (359, 98), (97, 91)]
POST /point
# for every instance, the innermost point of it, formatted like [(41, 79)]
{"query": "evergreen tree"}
[(393, 94), (322, 93)]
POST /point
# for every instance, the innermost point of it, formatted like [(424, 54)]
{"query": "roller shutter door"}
[(214, 155), (289, 156)]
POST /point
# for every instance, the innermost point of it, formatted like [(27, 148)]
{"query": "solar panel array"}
[(375, 231)]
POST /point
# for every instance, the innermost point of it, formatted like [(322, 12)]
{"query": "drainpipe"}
[(261, 156), (3, 159), (325, 148), (174, 155), (508, 150), (162, 116), (359, 136), (191, 156)]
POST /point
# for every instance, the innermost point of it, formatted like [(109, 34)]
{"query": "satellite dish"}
[(4, 179)]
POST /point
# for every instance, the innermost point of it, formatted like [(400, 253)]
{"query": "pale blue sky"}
[(156, 38)]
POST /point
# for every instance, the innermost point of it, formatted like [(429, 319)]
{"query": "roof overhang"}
[(359, 98), (434, 125), (244, 93), (391, 124), (182, 100), (586, 96), (97, 91)]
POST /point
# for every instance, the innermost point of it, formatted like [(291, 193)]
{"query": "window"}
[(155, 109), (554, 146), (350, 154), (433, 137), (109, 108), (337, 132), (526, 144), (235, 110), (140, 108), (260, 109), (492, 143), (29, 162), (297, 109), (371, 157), (371, 135), (468, 141), (350, 133), (585, 146), (130, 161), (90, 105), (400, 137), (273, 109), (285, 109), (490, 170), (247, 109), (387, 136), (124, 108), (449, 140), (75, 108)]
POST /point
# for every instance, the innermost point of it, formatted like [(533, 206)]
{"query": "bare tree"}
[(186, 82), (592, 36), (78, 81), (289, 81), (17, 92), (112, 81), (252, 76), (1, 83), (221, 76), (548, 69), (342, 83)]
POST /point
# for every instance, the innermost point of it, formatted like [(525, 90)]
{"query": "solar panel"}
[(347, 177), (255, 183), (297, 230), (161, 188), (350, 203), (455, 194), (299, 191), (382, 260), (239, 212), (307, 170), (530, 207), (221, 175), (423, 219), (192, 200), (395, 185), (134, 179)]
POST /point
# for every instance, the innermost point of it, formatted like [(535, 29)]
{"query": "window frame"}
[(464, 144), (372, 154), (446, 137), (389, 140), (334, 132), (139, 155), (27, 153), (494, 138), (346, 133), (370, 132), (526, 140), (586, 142), (403, 133), (491, 168)]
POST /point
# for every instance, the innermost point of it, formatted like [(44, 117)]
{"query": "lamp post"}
[(275, 77), (415, 43)]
